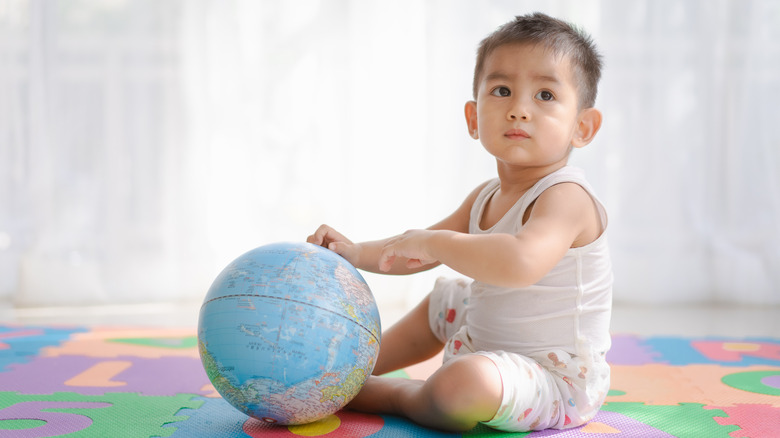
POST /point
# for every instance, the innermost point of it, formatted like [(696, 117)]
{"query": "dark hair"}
[(556, 35)]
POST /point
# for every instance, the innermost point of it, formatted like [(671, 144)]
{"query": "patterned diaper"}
[(545, 389)]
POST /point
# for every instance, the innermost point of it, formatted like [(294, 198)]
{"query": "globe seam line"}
[(295, 301)]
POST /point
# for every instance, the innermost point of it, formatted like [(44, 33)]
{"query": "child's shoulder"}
[(488, 185), (571, 203)]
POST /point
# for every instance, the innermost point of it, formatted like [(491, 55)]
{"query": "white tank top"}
[(569, 308)]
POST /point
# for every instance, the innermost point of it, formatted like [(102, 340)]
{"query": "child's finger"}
[(338, 247), (319, 236), (414, 263), (386, 261)]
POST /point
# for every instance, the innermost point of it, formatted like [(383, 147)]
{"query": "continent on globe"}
[(288, 333)]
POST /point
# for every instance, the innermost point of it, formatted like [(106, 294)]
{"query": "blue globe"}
[(288, 333)]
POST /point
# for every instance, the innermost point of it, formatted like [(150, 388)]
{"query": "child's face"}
[(526, 113)]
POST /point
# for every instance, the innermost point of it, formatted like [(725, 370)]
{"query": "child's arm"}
[(363, 255), (366, 255), (564, 216)]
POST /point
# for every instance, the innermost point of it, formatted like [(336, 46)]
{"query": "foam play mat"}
[(140, 382)]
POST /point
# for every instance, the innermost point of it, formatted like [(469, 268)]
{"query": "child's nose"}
[(519, 111)]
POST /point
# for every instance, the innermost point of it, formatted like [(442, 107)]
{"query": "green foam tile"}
[(113, 414), (686, 420)]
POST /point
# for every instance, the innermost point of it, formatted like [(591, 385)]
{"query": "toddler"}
[(525, 340)]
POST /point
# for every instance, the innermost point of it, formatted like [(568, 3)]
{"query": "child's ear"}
[(589, 124), (471, 119)]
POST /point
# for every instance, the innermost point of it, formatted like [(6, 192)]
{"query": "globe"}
[(288, 333)]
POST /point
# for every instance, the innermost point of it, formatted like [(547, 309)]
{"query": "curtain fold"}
[(144, 144)]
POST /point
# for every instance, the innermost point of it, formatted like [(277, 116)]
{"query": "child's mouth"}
[(516, 134)]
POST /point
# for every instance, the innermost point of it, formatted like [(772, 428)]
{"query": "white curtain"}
[(146, 143)]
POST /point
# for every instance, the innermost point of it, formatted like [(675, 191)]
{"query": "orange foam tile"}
[(100, 375), (659, 384), (99, 343), (212, 392), (656, 384)]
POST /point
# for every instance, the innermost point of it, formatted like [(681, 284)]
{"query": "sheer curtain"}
[(94, 202), (144, 144), (690, 96)]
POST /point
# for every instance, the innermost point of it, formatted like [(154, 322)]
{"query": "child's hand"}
[(327, 237), (412, 245)]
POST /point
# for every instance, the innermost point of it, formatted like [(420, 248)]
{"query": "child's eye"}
[(545, 96), (501, 92)]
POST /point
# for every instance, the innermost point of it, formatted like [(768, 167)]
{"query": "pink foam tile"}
[(754, 420), (736, 351)]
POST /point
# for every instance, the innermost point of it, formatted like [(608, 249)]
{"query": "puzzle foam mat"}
[(141, 382)]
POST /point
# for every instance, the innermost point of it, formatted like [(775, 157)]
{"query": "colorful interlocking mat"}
[(139, 382)]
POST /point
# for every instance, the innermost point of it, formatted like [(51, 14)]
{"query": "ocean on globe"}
[(288, 333)]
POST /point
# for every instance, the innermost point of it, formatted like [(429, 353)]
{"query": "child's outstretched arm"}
[(362, 255), (366, 255), (564, 216)]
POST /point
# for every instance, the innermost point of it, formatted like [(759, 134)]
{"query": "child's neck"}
[(516, 180)]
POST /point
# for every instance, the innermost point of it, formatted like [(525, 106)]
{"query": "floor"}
[(692, 320), (688, 320)]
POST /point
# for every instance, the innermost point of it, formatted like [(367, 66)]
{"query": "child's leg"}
[(407, 342), (465, 391)]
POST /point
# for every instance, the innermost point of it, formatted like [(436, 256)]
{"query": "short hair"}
[(556, 35)]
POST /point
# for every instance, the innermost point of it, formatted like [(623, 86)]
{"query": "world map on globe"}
[(288, 333)]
